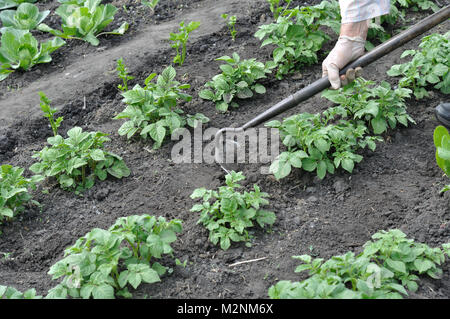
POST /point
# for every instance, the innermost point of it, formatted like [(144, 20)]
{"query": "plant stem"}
[(83, 175), (183, 57)]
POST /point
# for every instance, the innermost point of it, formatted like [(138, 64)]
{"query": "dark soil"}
[(397, 186)]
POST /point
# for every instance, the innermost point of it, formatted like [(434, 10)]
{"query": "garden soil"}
[(396, 186)]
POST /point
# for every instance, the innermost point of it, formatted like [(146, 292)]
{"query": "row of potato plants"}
[(104, 263), (387, 268)]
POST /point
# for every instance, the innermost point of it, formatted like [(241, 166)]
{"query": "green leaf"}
[(321, 169), (245, 93), (260, 89), (227, 69), (379, 125), (347, 164), (5, 211), (278, 54), (97, 155), (119, 169), (225, 243), (396, 265), (207, 95), (222, 106), (322, 145), (309, 164), (168, 74), (281, 167), (150, 276), (168, 236), (103, 291), (423, 265)]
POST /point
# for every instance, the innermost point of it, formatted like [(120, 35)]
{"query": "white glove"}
[(347, 49)]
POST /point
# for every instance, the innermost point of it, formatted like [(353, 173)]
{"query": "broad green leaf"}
[(260, 89), (379, 125), (396, 265), (103, 291), (347, 164), (207, 95), (97, 155)]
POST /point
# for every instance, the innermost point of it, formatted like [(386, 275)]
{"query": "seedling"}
[(103, 262), (238, 80), (49, 113), (122, 72), (231, 23), (6, 256), (179, 263), (227, 213), (377, 31), (150, 4), (180, 40), (381, 106)]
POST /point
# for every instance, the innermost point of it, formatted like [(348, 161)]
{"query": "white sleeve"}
[(359, 10)]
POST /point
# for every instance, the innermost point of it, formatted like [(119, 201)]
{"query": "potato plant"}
[(85, 21), (78, 160), (14, 191), (227, 213), (315, 145), (441, 139), (102, 263), (180, 40), (231, 23), (153, 111), (429, 66), (380, 106), (237, 80), (387, 268), (122, 73), (323, 142)]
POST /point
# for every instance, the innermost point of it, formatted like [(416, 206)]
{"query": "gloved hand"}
[(349, 47)]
